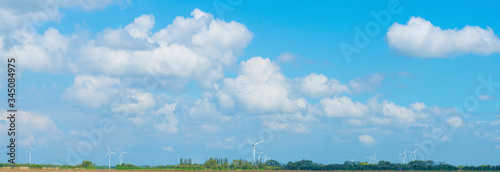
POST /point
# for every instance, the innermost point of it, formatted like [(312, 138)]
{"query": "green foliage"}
[(240, 164)]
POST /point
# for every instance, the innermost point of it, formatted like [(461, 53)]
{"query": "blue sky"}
[(180, 79)]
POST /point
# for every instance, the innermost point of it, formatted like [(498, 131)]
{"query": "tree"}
[(273, 163), (88, 164)]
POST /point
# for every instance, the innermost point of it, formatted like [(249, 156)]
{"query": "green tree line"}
[(240, 164)]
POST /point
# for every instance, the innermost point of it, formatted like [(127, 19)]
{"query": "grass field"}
[(81, 170)]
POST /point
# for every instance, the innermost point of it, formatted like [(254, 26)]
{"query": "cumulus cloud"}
[(133, 37), (26, 13), (141, 103), (38, 52), (404, 114), (33, 129), (92, 91), (295, 123), (366, 84), (420, 38), (454, 121), (168, 149), (367, 140), (195, 48), (318, 85), (343, 107), (286, 57), (165, 121), (259, 87), (485, 97), (227, 143), (205, 108), (110, 93)]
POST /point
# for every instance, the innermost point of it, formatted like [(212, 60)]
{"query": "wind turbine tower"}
[(259, 154), (370, 158), (109, 156), (29, 150), (413, 153), (404, 156), (375, 160), (121, 155), (254, 144)]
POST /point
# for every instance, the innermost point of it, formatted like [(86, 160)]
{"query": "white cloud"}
[(339, 140), (419, 38), (210, 128), (485, 97), (141, 27), (92, 4), (355, 122), (206, 109), (446, 138), (286, 57), (227, 143), (403, 114), (343, 107), (133, 37), (295, 123), (217, 39), (92, 91), (15, 15), (454, 121), (38, 52), (142, 102), (195, 48), (168, 149), (259, 87), (380, 121), (366, 84), (166, 120), (318, 85), (33, 129), (367, 140)]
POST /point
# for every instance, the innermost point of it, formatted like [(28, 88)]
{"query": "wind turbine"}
[(196, 161), (109, 155), (375, 160), (259, 154), (404, 156), (29, 150), (414, 157), (121, 155), (370, 158), (254, 144)]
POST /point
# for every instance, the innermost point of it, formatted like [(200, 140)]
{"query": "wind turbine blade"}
[(250, 142), (108, 149), (106, 154), (258, 142), (119, 149)]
